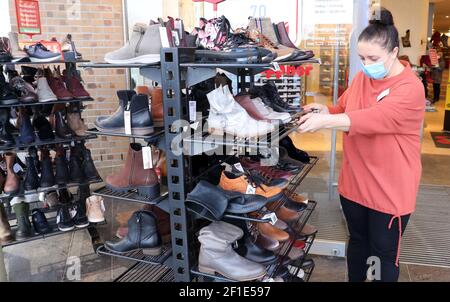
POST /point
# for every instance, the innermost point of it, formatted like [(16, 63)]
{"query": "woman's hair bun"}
[(382, 17)]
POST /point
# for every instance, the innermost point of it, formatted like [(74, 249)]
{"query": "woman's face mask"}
[(378, 71), (376, 61)]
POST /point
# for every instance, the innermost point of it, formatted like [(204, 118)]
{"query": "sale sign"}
[(28, 17)]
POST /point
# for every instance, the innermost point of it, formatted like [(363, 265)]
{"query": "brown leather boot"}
[(134, 176), (5, 229), (156, 100), (75, 121), (12, 183), (272, 232), (157, 106)]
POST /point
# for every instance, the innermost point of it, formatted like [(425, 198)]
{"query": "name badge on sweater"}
[(383, 95)]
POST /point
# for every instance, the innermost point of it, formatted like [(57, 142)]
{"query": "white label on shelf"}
[(250, 190), (272, 216), (239, 167), (193, 111), (147, 158), (176, 38), (127, 119), (17, 168)]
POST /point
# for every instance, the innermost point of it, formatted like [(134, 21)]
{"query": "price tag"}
[(193, 111), (176, 38), (195, 125), (17, 168), (238, 166), (272, 216), (127, 118), (250, 190), (147, 158)]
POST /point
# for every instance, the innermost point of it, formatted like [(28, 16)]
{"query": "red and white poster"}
[(28, 17)]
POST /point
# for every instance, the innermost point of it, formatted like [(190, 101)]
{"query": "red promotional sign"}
[(28, 17)]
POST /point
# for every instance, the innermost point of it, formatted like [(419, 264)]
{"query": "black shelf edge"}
[(46, 103), (138, 256), (38, 142), (286, 247), (246, 65), (55, 232), (44, 63), (59, 187), (108, 65), (131, 196), (141, 272), (157, 133)]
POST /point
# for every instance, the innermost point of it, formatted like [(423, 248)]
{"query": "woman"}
[(381, 114), (436, 75)]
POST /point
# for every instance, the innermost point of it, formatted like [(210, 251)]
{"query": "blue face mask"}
[(376, 71)]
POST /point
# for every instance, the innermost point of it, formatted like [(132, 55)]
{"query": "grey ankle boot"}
[(217, 254)]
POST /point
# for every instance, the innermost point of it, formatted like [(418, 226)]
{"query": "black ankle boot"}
[(62, 130), (24, 229), (293, 152), (47, 176), (26, 129), (6, 139), (31, 182), (32, 152), (88, 167), (44, 128), (62, 174), (76, 173)]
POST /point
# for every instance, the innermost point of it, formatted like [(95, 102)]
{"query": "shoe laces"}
[(254, 180)]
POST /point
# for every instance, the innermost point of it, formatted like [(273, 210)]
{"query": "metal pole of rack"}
[(331, 180)]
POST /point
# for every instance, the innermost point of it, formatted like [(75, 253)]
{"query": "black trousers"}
[(370, 236), (437, 92)]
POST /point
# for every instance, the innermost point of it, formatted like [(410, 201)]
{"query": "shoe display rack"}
[(50, 213), (177, 73)]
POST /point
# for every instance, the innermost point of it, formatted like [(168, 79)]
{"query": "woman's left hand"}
[(313, 122)]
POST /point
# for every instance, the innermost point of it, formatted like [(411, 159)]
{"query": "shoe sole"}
[(9, 102), (134, 131), (66, 229), (96, 220), (145, 59), (48, 100), (46, 188), (57, 58), (80, 226), (155, 251), (210, 271)]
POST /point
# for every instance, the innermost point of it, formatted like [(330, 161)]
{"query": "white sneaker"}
[(269, 113), (95, 209), (227, 116)]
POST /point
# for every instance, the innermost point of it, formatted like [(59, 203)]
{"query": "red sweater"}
[(382, 166)]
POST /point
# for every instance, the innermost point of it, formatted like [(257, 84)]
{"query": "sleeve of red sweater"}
[(399, 113), (340, 106)]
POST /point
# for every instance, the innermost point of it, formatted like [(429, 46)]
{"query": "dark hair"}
[(382, 30)]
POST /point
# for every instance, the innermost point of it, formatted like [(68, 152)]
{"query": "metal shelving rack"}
[(4, 198), (176, 72)]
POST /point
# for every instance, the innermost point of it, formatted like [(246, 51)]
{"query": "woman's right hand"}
[(322, 109)]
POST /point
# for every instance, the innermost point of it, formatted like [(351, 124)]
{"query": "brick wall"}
[(98, 30)]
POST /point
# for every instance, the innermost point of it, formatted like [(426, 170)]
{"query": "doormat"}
[(441, 139)]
